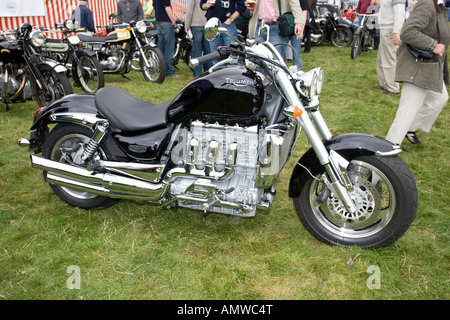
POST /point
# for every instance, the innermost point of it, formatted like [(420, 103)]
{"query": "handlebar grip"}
[(220, 54), (204, 59)]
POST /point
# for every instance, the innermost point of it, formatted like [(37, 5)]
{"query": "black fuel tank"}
[(231, 93)]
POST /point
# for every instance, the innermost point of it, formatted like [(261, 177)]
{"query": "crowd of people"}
[(401, 23)]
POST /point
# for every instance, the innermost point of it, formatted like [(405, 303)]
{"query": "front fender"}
[(55, 66), (348, 146)]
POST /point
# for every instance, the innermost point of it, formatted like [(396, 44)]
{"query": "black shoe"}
[(389, 92), (412, 137)]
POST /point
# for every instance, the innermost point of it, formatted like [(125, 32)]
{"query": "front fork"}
[(334, 164)]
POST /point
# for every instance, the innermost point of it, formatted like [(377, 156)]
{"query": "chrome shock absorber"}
[(92, 145)]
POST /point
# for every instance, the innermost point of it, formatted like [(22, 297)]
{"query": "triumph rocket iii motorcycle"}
[(117, 50), (219, 146), (25, 73)]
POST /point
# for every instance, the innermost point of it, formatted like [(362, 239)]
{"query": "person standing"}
[(82, 17), (226, 11), (195, 21), (129, 10), (424, 93), (268, 11), (310, 25), (391, 18), (296, 42), (149, 11), (165, 22)]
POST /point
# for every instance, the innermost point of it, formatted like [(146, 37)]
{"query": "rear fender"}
[(348, 146)]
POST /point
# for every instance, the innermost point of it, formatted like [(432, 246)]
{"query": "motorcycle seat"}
[(128, 113), (87, 38)]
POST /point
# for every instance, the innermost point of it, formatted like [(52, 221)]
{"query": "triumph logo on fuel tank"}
[(240, 82)]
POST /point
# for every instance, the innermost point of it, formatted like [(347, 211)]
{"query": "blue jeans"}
[(297, 44), (200, 46), (166, 43), (274, 38)]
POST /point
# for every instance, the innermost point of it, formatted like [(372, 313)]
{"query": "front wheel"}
[(155, 70), (341, 37), (56, 85), (357, 45), (88, 73), (385, 195)]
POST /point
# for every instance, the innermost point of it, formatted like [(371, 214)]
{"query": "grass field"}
[(142, 251)]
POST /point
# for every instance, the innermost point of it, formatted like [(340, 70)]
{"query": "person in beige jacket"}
[(268, 10)]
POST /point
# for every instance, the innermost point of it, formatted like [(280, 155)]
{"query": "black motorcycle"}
[(331, 27), (183, 45), (21, 65), (220, 145), (83, 63)]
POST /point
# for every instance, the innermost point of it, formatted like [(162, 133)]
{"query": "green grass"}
[(142, 251)]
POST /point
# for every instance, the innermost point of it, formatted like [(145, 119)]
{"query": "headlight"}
[(310, 83), (37, 38), (68, 23), (141, 27)]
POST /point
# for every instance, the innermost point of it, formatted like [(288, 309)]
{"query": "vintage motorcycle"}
[(24, 73), (365, 36), (183, 45), (331, 27), (117, 50), (220, 145), (83, 63)]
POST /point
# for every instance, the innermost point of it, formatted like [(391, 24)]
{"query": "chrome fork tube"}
[(337, 184)]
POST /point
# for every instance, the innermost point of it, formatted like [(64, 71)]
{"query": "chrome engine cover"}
[(224, 171)]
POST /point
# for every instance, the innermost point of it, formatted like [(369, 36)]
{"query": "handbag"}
[(423, 55), (286, 23), (417, 53)]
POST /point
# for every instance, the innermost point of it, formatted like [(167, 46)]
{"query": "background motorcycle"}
[(183, 44), (115, 51), (220, 145), (331, 27), (364, 37), (21, 64), (83, 63)]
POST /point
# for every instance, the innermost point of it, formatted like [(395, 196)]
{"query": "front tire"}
[(156, 70), (385, 194), (357, 45), (56, 85), (341, 37), (66, 143)]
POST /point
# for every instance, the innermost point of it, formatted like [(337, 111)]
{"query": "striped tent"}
[(56, 11)]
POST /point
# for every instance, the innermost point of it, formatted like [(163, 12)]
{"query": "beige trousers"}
[(418, 110), (386, 61)]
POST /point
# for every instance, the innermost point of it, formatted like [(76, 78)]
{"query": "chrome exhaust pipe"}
[(104, 184)]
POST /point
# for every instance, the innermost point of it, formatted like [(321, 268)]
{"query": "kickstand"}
[(126, 77), (7, 106)]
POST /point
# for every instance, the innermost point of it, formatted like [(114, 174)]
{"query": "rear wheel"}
[(88, 73), (155, 71), (384, 193), (66, 143), (56, 85)]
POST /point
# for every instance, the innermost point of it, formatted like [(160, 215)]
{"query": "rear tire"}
[(65, 143), (89, 74), (384, 193), (341, 37)]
